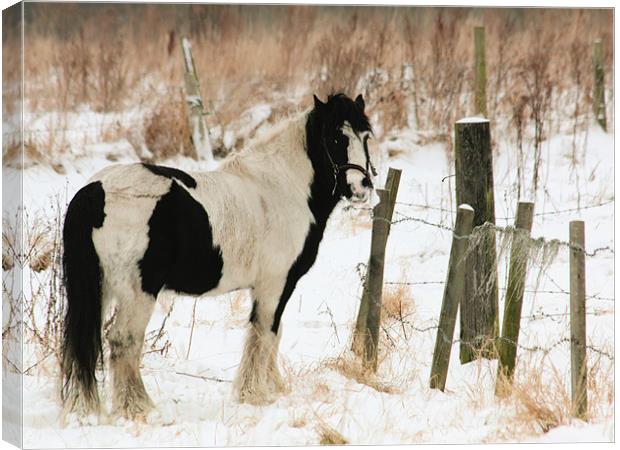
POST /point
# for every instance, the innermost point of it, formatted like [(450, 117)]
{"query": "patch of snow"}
[(317, 324), (474, 119)]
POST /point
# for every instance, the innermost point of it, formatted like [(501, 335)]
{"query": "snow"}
[(193, 391), (474, 119), (187, 55)]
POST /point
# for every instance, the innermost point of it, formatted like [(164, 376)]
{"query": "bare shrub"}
[(519, 121), (71, 66), (45, 305), (341, 65), (254, 54), (502, 29), (166, 131), (111, 79), (40, 245), (538, 85), (440, 74)]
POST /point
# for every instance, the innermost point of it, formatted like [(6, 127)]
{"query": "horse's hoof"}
[(136, 411), (280, 386), (77, 419), (257, 399)]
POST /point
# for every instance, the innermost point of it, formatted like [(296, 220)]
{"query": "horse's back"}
[(155, 233)]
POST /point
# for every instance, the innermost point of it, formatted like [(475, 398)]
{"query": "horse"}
[(254, 223)]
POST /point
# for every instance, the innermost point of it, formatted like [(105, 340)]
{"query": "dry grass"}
[(351, 367), (36, 313), (398, 302), (412, 64), (329, 436), (166, 131), (541, 400), (540, 397)]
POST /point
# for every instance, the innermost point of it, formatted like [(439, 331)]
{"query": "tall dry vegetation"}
[(414, 65)]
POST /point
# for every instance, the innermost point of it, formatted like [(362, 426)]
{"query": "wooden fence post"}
[(391, 184), (474, 186), (598, 96), (480, 72), (359, 335), (513, 304), (380, 230), (195, 106), (579, 393), (453, 292)]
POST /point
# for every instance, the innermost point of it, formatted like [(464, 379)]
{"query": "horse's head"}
[(344, 134)]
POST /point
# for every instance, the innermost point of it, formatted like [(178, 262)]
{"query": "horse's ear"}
[(359, 101), (318, 104)]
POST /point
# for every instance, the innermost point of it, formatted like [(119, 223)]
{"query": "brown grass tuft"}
[(351, 367), (397, 302), (167, 132), (329, 436), (540, 398), (541, 404)]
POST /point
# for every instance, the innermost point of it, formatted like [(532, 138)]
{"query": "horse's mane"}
[(282, 138)]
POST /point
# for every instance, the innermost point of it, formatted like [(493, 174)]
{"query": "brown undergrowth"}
[(412, 64)]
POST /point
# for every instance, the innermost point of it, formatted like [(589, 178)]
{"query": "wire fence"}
[(508, 218), (537, 316)]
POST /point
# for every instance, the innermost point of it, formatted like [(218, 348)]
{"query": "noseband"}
[(344, 167)]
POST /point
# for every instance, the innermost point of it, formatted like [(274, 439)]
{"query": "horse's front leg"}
[(258, 380)]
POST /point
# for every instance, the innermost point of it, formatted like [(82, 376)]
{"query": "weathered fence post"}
[(391, 184), (480, 72), (579, 393), (359, 334), (453, 292), (380, 230), (474, 186), (598, 96), (513, 304), (195, 106)]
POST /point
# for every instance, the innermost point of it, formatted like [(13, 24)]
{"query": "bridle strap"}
[(344, 167)]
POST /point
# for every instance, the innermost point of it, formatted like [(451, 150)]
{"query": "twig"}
[(202, 377)]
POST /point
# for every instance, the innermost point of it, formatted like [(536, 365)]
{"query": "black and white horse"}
[(255, 223)]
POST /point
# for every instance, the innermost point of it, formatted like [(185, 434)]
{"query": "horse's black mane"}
[(343, 108)]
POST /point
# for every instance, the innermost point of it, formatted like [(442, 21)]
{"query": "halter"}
[(344, 167)]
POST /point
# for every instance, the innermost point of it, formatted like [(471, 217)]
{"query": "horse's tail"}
[(81, 347)]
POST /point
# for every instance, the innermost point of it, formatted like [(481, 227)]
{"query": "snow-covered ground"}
[(192, 390)]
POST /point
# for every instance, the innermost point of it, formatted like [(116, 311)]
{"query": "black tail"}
[(81, 348)]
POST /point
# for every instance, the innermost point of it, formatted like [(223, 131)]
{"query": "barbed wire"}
[(508, 230), (402, 218), (414, 283), (527, 291), (528, 348), (547, 213)]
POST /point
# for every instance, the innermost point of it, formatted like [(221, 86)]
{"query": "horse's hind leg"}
[(126, 339)]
